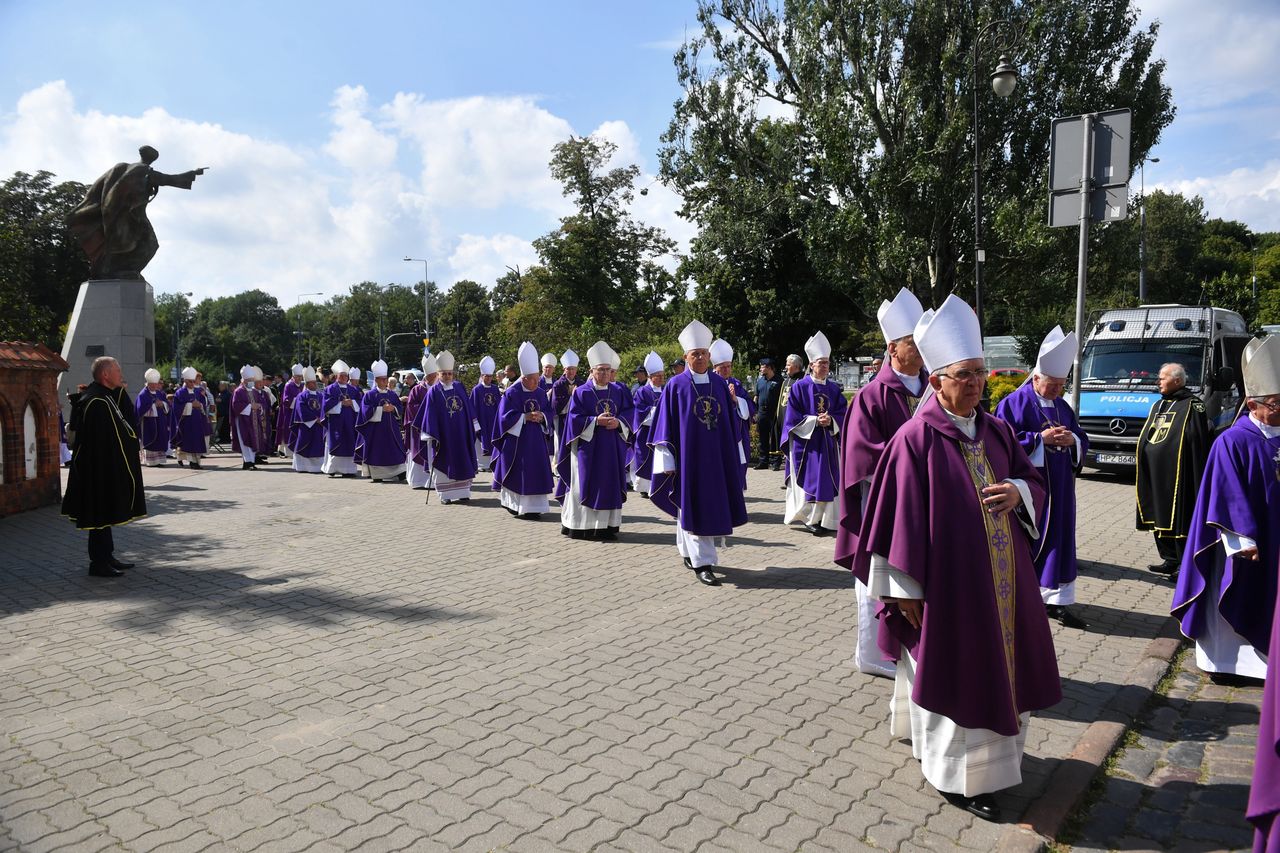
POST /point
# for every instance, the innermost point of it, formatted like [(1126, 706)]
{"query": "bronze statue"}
[(111, 223)]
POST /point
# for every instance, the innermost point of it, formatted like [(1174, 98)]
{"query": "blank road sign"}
[(1109, 167)]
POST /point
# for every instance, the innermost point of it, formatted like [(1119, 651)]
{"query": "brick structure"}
[(28, 421)]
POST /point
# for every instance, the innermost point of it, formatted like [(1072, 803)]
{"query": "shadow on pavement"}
[(1112, 572), (781, 577), (1112, 621)]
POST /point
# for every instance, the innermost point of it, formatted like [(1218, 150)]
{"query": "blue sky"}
[(341, 140)]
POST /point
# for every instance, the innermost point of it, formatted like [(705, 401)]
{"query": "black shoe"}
[(688, 564), (443, 501), (983, 805), (249, 466), (117, 564), (180, 463), (375, 480), (1168, 567), (1065, 616), (331, 476), (761, 466), (104, 570), (196, 466), (809, 528), (705, 576), (776, 467), (530, 516)]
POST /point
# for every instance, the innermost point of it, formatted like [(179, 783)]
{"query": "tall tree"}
[(249, 327), (464, 320)]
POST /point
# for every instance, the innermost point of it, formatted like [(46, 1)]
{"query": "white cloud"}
[(464, 181), (1250, 195)]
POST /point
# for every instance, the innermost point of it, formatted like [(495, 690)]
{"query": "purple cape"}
[(743, 426), (561, 390), (484, 404), (246, 425), (602, 461), (307, 441), (341, 428), (1055, 553), (522, 464), (1240, 493), (284, 418), (449, 424), (262, 416), (153, 433), (643, 401), (876, 413), (815, 461), (383, 438), (984, 653), (190, 432), (695, 424), (1264, 795)]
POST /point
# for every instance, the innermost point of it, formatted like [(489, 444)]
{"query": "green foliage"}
[(248, 328), (1000, 387), (464, 321)]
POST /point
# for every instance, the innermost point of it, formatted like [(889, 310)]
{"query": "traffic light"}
[(417, 327)]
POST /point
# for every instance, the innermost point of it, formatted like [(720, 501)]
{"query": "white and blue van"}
[(1121, 363)]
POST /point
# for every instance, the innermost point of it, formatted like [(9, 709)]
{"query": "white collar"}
[(700, 378), (1268, 431), (911, 383), (967, 425), (448, 386)]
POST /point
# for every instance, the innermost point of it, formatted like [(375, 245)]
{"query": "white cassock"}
[(307, 464), (1066, 593), (824, 514), (518, 503), (953, 758), (209, 406), (248, 449), (573, 514), (700, 551), (338, 464)]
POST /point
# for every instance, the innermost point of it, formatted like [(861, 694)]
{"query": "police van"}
[(1121, 363)]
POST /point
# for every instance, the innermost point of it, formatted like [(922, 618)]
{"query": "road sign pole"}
[(1082, 264)]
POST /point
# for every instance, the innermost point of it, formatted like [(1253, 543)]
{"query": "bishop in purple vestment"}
[(947, 536), (306, 427), (645, 402), (873, 417), (1050, 434), (447, 427), (1226, 593), (191, 420), (810, 440), (697, 457), (266, 421), (744, 409), (152, 410), (592, 456), (341, 409), (485, 397), (418, 475), (1264, 794), (561, 390), (521, 442), (284, 418), (245, 438), (379, 425)]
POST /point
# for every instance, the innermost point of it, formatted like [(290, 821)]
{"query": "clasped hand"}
[(607, 421), (1000, 498), (346, 401), (533, 417), (824, 420), (1058, 436), (387, 407)]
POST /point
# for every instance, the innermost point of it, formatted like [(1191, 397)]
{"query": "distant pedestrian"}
[(768, 389), (104, 487), (1172, 451)]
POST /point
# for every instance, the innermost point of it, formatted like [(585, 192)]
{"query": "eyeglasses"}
[(1272, 406), (966, 375)]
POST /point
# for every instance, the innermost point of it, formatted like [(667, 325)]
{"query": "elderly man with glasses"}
[(946, 542), (1227, 585)]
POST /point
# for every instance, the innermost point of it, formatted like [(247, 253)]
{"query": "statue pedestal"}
[(114, 317)]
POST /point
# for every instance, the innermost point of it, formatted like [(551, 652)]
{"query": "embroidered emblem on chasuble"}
[(999, 551)]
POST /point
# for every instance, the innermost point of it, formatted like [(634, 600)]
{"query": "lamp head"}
[(1005, 78)]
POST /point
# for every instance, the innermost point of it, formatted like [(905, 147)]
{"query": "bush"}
[(1001, 387)]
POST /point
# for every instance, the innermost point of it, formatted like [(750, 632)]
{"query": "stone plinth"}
[(114, 317)]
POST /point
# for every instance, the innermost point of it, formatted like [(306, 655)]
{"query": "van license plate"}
[(1114, 458)]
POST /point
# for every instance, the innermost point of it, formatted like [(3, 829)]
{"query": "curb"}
[(1045, 817)]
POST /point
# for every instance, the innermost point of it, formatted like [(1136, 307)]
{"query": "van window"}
[(1233, 356), (1131, 364)]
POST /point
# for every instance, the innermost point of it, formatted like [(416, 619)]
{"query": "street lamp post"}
[(297, 309), (1142, 230), (426, 300), (1004, 79)]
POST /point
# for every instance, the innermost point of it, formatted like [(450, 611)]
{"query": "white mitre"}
[(598, 354), (430, 364), (653, 363), (246, 372), (378, 368), (695, 336), (340, 366), (487, 365), (549, 360), (948, 335), (187, 373), (527, 358), (1262, 367), (152, 375), (308, 374), (721, 351), (899, 317), (1057, 354), (570, 358), (817, 347), (296, 370), (355, 373), (446, 361), (615, 360)]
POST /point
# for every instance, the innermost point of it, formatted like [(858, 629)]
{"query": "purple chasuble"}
[(243, 425), (262, 418), (1055, 552), (307, 441), (412, 406), (153, 432), (561, 390), (341, 428), (878, 410), (383, 438), (641, 455), (1264, 795), (743, 426), (449, 424), (190, 431), (815, 461), (484, 404), (984, 653), (1239, 493), (602, 461), (694, 424), (284, 418), (522, 464)]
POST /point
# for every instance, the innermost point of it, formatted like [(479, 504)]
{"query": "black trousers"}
[(101, 547), (768, 432), (1170, 547)]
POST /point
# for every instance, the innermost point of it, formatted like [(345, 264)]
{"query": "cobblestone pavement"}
[(304, 663), (1182, 782)]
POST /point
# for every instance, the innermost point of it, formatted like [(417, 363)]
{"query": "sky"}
[(340, 140)]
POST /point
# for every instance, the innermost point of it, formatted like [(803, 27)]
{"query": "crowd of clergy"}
[(958, 524)]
